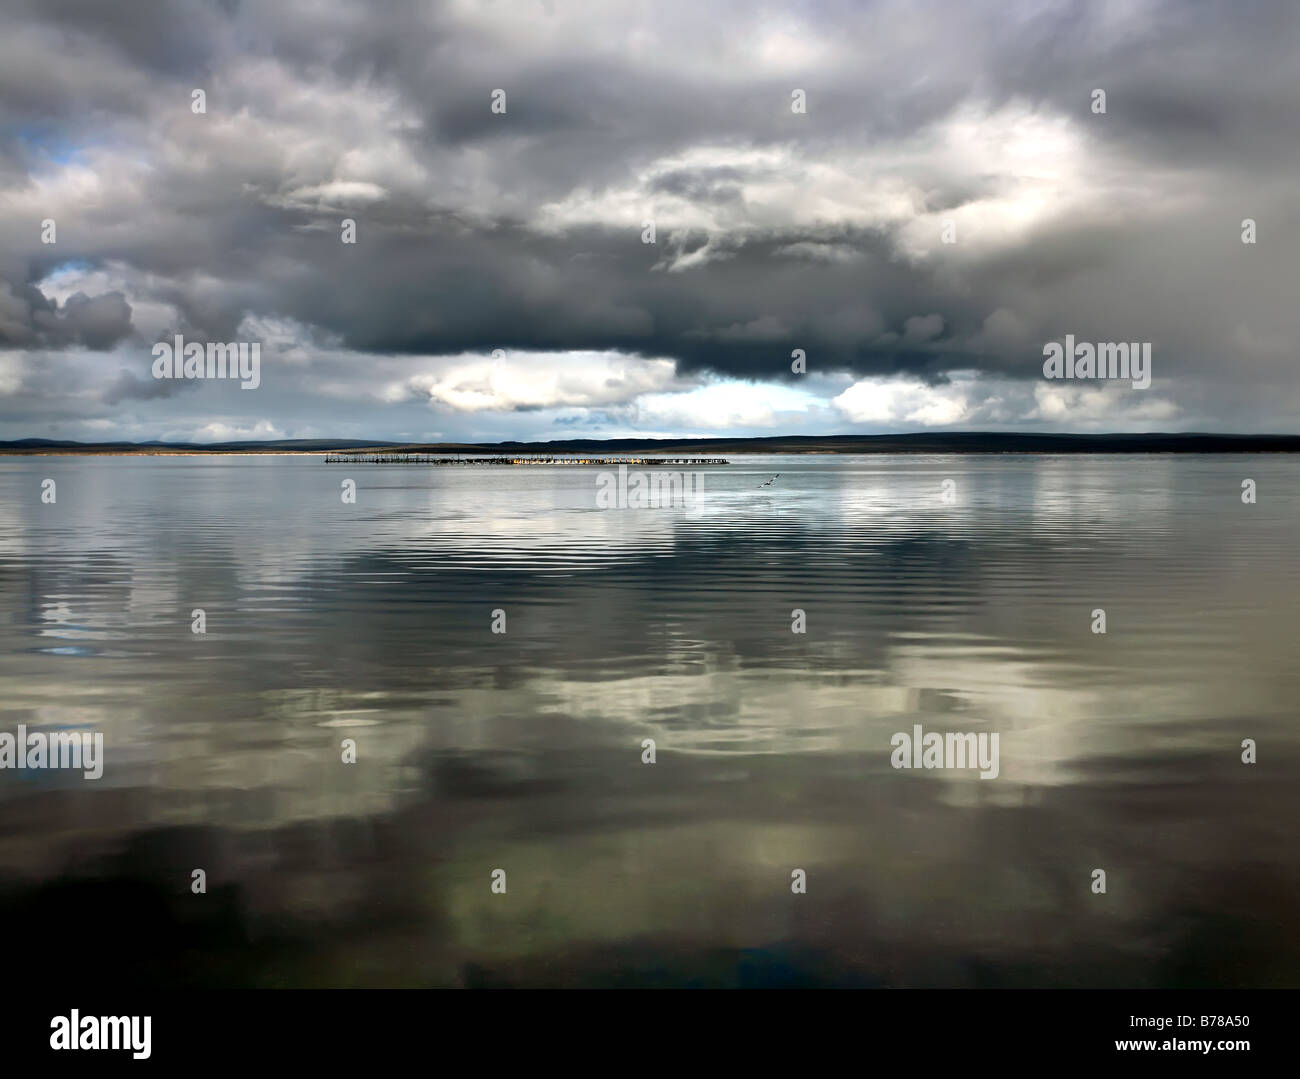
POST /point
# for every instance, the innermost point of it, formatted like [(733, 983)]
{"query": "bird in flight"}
[(769, 482)]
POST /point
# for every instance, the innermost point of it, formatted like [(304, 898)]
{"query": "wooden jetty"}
[(452, 459)]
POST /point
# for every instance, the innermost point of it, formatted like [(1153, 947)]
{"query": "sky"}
[(917, 196)]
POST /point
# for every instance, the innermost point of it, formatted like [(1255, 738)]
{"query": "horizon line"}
[(954, 441)]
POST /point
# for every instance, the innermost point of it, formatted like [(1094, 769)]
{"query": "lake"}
[(497, 648)]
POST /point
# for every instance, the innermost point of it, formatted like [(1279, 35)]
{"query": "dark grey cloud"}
[(29, 319), (130, 388)]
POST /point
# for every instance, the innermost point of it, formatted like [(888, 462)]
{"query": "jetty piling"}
[(439, 459)]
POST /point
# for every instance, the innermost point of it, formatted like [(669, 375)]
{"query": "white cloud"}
[(1110, 406), (522, 381), (337, 193), (724, 406), (893, 401), (225, 432), (971, 400)]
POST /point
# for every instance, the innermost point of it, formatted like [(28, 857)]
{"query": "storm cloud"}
[(522, 230)]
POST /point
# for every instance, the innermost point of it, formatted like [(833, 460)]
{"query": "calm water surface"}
[(523, 751)]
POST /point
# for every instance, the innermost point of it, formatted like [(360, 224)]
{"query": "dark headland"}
[(951, 442)]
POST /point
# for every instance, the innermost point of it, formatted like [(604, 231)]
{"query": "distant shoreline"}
[(752, 453), (921, 443)]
